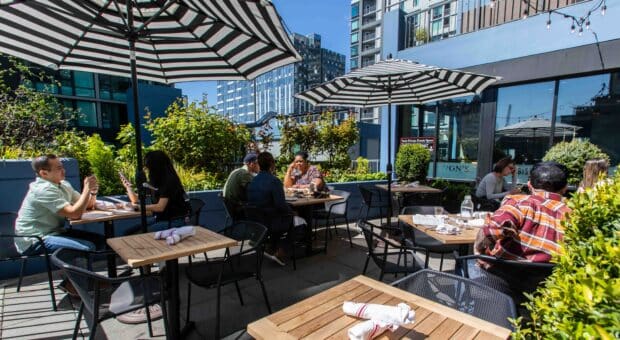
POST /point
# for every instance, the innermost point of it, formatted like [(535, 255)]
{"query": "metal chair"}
[(8, 251), (417, 238), (196, 205), (102, 297), (232, 211), (373, 198), (508, 276), (334, 210), (245, 264), (390, 249), (461, 294)]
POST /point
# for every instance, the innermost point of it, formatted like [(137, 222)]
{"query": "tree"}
[(297, 136), (337, 139)]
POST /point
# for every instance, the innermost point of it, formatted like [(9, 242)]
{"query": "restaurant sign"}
[(427, 142)]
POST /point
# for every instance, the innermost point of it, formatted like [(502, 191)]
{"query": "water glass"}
[(438, 211)]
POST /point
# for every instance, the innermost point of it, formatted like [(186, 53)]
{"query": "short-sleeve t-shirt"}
[(177, 201), (38, 214)]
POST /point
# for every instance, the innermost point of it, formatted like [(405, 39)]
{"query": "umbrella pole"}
[(140, 176), (389, 156)]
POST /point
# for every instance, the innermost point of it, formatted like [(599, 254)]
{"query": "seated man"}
[(266, 193), (49, 201), (527, 227), (300, 174), (235, 188)]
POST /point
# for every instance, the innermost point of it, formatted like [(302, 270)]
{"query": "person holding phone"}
[(49, 202), (494, 186), (170, 203)]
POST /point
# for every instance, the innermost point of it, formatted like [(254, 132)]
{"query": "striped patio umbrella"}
[(164, 41), (395, 81)]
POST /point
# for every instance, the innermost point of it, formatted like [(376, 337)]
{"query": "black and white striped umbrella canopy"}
[(175, 40), (396, 81)]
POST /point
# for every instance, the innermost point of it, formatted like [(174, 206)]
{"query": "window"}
[(354, 37), (354, 63), (84, 84), (113, 88), (113, 115), (443, 21), (354, 50), (355, 25), (355, 10), (87, 115)]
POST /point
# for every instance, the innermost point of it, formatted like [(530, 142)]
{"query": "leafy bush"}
[(581, 299), (363, 166), (412, 162), (339, 176), (196, 181), (74, 144), (574, 155), (195, 138), (336, 139), (101, 158), (454, 193)]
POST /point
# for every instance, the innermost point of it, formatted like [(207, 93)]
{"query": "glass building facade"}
[(248, 101)]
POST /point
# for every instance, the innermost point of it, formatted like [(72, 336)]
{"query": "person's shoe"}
[(139, 315), (275, 257), (67, 287)]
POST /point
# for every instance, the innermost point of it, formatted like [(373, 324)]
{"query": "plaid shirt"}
[(527, 227)]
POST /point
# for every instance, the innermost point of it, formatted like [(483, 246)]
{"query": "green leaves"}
[(580, 299), (574, 155), (412, 162)]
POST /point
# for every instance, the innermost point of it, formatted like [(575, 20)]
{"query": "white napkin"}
[(447, 229), (393, 315), (477, 222), (427, 219), (175, 235), (104, 205), (368, 329)]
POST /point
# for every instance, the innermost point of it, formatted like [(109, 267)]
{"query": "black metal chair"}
[(417, 238), (335, 210), (373, 198), (391, 249), (508, 276), (103, 297), (232, 211), (8, 251), (461, 294), (196, 205), (245, 264)]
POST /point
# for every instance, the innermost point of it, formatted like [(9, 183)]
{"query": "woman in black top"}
[(170, 202)]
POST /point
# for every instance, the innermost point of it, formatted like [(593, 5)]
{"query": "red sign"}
[(427, 142)]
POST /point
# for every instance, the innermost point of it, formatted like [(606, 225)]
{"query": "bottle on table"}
[(467, 207)]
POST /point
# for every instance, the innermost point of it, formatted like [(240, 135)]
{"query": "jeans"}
[(72, 239)]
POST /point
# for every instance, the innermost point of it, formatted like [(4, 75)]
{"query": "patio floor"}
[(28, 314)]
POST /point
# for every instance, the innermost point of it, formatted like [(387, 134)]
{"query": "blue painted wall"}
[(157, 98)]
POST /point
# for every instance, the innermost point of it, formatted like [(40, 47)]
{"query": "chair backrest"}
[(339, 206), (461, 294), (379, 257), (251, 236), (366, 194), (420, 209), (76, 265), (7, 238), (519, 276), (196, 205)]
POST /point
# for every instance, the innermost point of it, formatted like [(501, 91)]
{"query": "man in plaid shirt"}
[(528, 227)]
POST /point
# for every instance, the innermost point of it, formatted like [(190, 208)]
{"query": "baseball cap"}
[(249, 158)]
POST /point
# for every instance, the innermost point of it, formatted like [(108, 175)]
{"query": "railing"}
[(373, 165)]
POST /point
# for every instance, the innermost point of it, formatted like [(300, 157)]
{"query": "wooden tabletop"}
[(466, 235), (421, 189), (106, 215), (143, 249), (303, 201), (321, 316)]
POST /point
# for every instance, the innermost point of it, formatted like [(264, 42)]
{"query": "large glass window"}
[(354, 50), (113, 115), (84, 84), (87, 114), (355, 25), (589, 107), (354, 38), (355, 10), (113, 88)]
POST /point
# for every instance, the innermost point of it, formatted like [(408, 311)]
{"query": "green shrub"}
[(581, 299), (363, 166), (574, 155), (412, 162), (74, 144), (453, 194), (196, 181), (101, 158), (340, 176)]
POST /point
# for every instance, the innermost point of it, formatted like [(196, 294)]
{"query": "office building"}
[(274, 90), (562, 66)]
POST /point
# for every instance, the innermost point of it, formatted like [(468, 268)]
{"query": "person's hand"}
[(90, 184)]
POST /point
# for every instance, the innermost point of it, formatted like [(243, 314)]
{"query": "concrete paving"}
[(28, 314)]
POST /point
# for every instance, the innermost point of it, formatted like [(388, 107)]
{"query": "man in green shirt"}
[(235, 187), (49, 201)]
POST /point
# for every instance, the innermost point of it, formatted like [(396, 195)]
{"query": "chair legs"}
[(239, 292), (50, 282), (21, 274), (262, 286), (78, 320), (366, 264), (189, 295)]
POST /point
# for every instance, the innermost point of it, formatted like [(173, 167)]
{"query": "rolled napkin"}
[(175, 235), (104, 205), (368, 329), (393, 315)]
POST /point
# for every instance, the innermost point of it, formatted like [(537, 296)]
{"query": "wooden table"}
[(465, 238), (304, 206), (321, 316), (306, 201), (418, 189), (107, 218), (142, 249)]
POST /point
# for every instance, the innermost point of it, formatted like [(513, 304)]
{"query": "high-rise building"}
[(274, 90)]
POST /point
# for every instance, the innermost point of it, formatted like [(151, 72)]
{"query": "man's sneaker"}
[(275, 257), (139, 315)]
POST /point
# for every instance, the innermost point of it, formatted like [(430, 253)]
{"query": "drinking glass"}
[(438, 211)]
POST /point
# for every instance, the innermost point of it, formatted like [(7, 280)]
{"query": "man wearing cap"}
[(235, 187)]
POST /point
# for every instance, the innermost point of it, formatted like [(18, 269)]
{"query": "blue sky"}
[(329, 18)]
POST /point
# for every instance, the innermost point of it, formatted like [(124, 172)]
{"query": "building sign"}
[(427, 142)]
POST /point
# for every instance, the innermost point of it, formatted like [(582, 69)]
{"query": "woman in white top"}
[(493, 186)]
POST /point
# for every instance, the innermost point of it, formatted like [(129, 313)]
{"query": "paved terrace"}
[(28, 314)]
